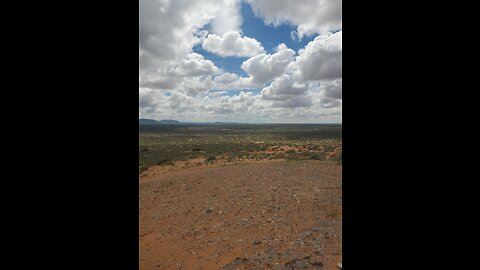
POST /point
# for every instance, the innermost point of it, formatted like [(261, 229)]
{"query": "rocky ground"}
[(256, 215)]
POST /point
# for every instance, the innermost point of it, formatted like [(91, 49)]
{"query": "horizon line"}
[(233, 122)]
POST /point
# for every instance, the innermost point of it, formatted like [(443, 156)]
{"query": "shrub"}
[(328, 148), (317, 156), (142, 168), (165, 162)]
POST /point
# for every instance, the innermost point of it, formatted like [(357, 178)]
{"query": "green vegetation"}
[(165, 144), (318, 156), (165, 161), (142, 168), (211, 158)]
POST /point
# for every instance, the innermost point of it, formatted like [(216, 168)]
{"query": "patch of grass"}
[(332, 213)]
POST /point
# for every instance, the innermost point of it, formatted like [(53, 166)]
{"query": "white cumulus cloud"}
[(310, 16), (178, 82), (265, 67), (322, 58), (232, 43)]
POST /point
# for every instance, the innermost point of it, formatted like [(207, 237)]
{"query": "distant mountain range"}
[(152, 122), (155, 122), (175, 122)]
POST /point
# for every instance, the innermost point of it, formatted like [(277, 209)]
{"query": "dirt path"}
[(259, 215)]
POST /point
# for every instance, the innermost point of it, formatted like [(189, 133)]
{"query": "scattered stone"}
[(299, 242), (275, 223), (236, 263), (316, 263), (296, 264)]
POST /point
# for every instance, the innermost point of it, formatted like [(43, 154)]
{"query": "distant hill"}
[(155, 122)]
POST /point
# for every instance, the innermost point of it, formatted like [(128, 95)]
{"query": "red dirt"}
[(256, 215)]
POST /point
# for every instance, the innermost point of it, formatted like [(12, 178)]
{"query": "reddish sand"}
[(255, 215)]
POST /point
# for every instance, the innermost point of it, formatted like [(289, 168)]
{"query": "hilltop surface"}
[(255, 215)]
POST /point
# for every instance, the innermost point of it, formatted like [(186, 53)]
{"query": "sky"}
[(249, 61)]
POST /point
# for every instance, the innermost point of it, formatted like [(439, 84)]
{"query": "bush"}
[(317, 156), (165, 162), (142, 168), (196, 149), (211, 158), (328, 148)]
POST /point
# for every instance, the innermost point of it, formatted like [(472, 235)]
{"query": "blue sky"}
[(268, 35), (236, 92)]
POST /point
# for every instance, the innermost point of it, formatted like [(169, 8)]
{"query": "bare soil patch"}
[(249, 215)]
